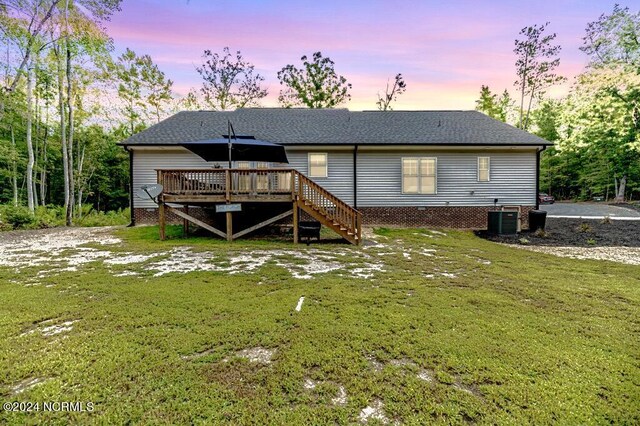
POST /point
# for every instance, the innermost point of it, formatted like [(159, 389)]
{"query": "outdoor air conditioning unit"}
[(503, 222)]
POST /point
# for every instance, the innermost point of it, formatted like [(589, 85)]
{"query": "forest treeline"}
[(596, 126), (66, 99)]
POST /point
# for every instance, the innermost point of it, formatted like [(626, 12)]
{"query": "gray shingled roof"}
[(338, 127)]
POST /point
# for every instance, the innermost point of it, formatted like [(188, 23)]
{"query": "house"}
[(410, 168)]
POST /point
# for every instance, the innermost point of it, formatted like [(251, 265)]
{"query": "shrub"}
[(50, 216), (584, 227), (18, 217), (591, 242), (606, 220), (110, 218), (523, 241), (541, 233)]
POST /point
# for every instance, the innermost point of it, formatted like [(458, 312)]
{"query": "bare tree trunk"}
[(80, 180), (522, 90), (31, 159), (621, 190), (70, 140), (70, 110), (37, 148), (43, 169), (63, 134), (43, 173), (14, 168), (526, 120)]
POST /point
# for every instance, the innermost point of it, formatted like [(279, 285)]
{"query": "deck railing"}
[(218, 181), (256, 183)]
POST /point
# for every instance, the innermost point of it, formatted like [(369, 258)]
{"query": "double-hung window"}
[(317, 164), (484, 166), (419, 175)]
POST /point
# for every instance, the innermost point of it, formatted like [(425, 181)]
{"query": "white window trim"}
[(326, 164), (419, 175), (488, 169)]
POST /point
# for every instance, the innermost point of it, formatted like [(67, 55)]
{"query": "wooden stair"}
[(328, 209)]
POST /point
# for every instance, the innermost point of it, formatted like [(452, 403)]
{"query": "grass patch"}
[(472, 332)]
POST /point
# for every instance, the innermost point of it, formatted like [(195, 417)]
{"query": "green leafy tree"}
[(537, 60), (614, 38), (505, 107), (487, 103), (157, 88), (315, 85), (229, 81), (191, 102), (613, 44), (494, 106), (128, 72), (547, 120), (600, 120)]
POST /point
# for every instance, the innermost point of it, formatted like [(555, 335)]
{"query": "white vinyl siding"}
[(419, 175), (484, 169), (318, 164)]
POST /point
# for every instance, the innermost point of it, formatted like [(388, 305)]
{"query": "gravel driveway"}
[(590, 211)]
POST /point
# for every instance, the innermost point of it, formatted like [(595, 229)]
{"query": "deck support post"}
[(185, 222), (162, 220), (295, 222), (229, 227)]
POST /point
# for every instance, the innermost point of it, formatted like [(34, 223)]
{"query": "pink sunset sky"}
[(445, 49)]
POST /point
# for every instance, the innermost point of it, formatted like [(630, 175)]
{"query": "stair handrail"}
[(345, 215)]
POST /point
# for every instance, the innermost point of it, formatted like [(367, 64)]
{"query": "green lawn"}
[(452, 329)]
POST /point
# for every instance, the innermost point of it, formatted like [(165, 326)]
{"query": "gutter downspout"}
[(355, 176), (538, 152), (133, 219)]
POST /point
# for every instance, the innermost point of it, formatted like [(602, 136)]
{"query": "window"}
[(317, 164), (483, 169), (419, 175)]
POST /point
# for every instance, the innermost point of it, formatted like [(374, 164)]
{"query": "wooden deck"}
[(230, 186)]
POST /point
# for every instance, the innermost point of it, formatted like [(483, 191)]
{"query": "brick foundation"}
[(445, 217)]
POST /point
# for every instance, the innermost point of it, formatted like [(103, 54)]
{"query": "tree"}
[(505, 107), (30, 193), (613, 44), (29, 18), (315, 85), (535, 67), (398, 88), (547, 120), (158, 87), (614, 38), (128, 71), (488, 102), (143, 89), (229, 82), (600, 119), (191, 102)]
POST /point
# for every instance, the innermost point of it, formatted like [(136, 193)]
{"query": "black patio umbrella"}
[(237, 150)]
